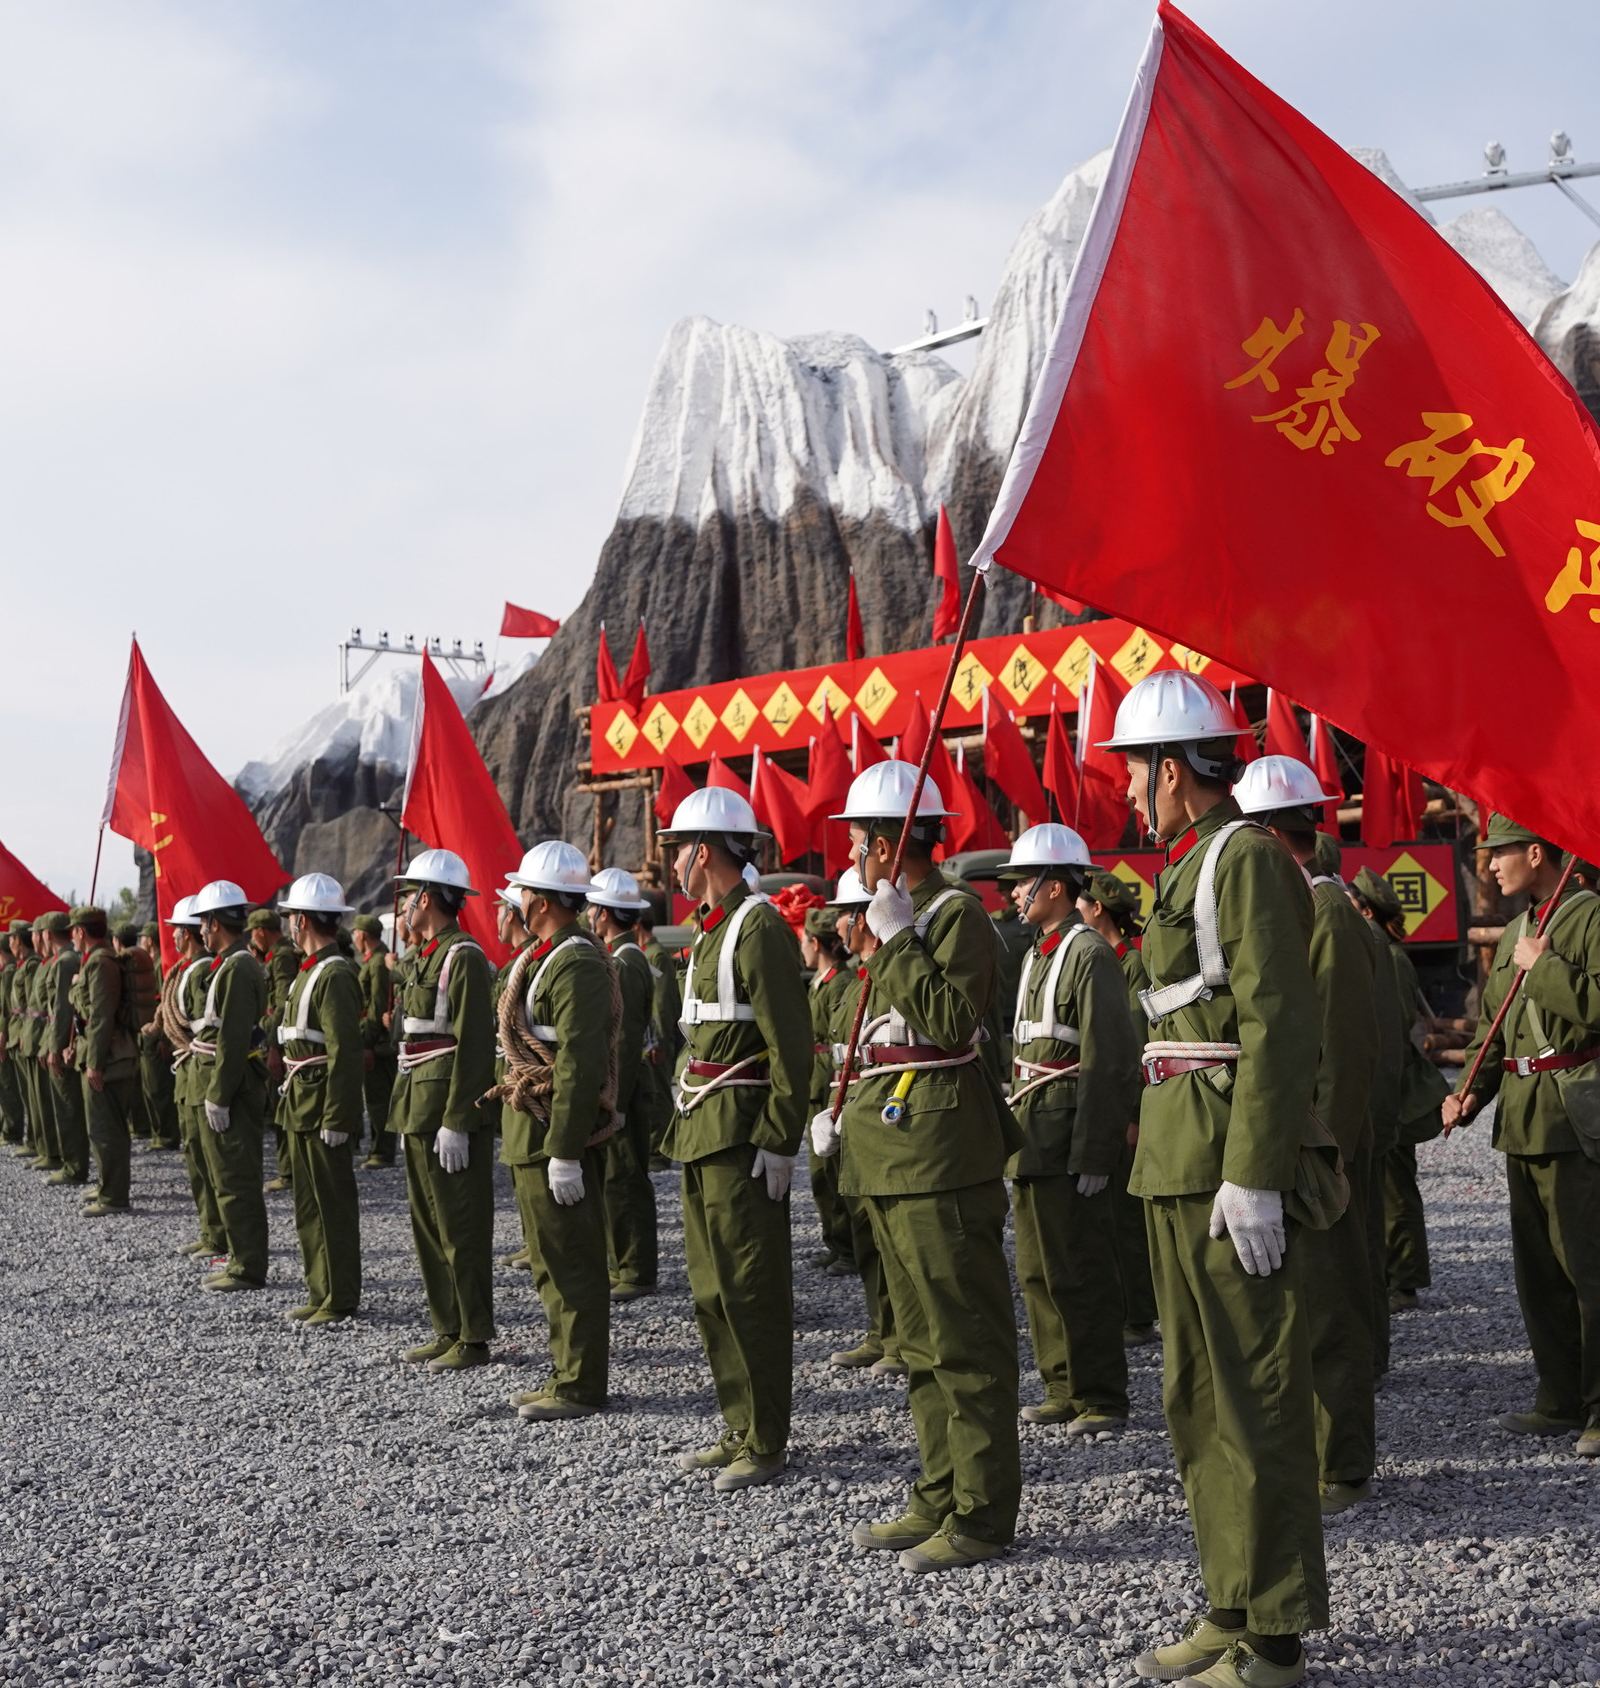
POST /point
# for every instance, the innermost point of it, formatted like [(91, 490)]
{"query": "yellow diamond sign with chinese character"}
[(1191, 661), (621, 734), (971, 678), (1021, 674), (698, 721), (1418, 891), (782, 709), (875, 696), (828, 695), (1072, 668), (660, 725), (740, 714), (1137, 656), (1130, 875)]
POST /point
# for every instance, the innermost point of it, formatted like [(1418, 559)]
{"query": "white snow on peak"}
[(1569, 330), (373, 719), (1504, 256)]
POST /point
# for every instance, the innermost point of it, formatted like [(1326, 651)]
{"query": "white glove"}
[(1254, 1219), (1092, 1183), (566, 1182), (825, 1134), (334, 1139), (218, 1117), (452, 1148), (890, 911), (778, 1170)]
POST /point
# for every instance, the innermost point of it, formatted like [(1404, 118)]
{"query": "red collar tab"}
[(1181, 846), (713, 920), (309, 962), (1049, 945), (429, 947), (541, 950), (216, 962), (830, 975), (1122, 950), (861, 973)]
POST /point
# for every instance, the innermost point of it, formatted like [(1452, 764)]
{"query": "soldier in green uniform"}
[(446, 1062), (377, 1041), (13, 1110), (1285, 796), (663, 1059), (514, 935), (126, 942), (615, 904), (47, 1149), (926, 1137), (156, 1057), (19, 1032), (1110, 906), (56, 1041), (737, 1127), (319, 1036), (1542, 1067), (1230, 1068), (183, 994), (231, 1084), (107, 1059), (1075, 1087), (822, 951), (559, 1017), (281, 964)]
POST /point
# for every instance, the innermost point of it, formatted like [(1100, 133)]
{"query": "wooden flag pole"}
[(94, 878), (1516, 985), (962, 627)]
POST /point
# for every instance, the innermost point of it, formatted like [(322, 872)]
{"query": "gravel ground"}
[(196, 1492)]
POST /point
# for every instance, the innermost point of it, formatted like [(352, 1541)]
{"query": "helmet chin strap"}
[(1033, 891)]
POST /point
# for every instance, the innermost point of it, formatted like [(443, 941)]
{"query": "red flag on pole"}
[(1249, 750), (22, 897), (914, 740), (1325, 760), (452, 803), (1284, 737), (164, 796), (828, 773), (1379, 820), (864, 746), (518, 623), (1061, 770), (638, 675), (675, 786), (1005, 756), (855, 641), (1103, 774), (976, 827), (608, 688), (1337, 385), (719, 773), (947, 612), (779, 800)]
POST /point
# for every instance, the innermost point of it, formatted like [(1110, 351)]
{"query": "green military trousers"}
[(863, 1250), (155, 1079), (1242, 1414), (833, 1220), (327, 1219), (1133, 1247), (1335, 1274), (1067, 1267), (42, 1105), (13, 1110), (567, 1251), (233, 1169), (377, 1088), (736, 1248), (108, 1111), (944, 1259), (630, 1202), (1555, 1250), (191, 1123), (452, 1224), (1378, 1260), (67, 1090), (1407, 1224)]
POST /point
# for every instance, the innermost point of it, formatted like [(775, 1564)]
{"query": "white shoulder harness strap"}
[(437, 1024), (1529, 1007), (727, 1005), (1213, 974), (300, 1031), (209, 1019), (545, 1034), (892, 1027), (193, 967), (1025, 1031)]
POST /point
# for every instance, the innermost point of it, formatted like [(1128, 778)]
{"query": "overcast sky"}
[(315, 314)]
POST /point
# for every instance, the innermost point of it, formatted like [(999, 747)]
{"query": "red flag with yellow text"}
[(22, 897), (1332, 438)]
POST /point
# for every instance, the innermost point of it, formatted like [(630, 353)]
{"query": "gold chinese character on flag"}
[(1266, 345), (1429, 459), (1317, 418), (1570, 583)]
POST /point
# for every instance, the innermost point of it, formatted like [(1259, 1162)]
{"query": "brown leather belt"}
[(715, 1069), (1160, 1067), (821, 1048), (422, 1045), (1046, 1066), (894, 1054), (1525, 1066)]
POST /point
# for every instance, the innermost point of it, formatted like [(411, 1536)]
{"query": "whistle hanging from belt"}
[(894, 1110)]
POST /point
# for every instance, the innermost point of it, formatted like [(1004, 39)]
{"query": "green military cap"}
[(368, 923), (128, 934), (85, 914), (1503, 830), (150, 930), (20, 929), (56, 921), (1327, 854), (1115, 895), (263, 919), (821, 922), (1378, 892)]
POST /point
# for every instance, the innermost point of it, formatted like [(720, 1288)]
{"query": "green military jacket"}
[(1136, 978), (497, 990), (445, 1091), (1077, 1124), (831, 986), (1241, 1124), (1016, 939), (667, 1008), (572, 1003), (956, 1130), (234, 988), (1393, 1020), (30, 989), (637, 980), (96, 998), (1562, 990), (8, 968), (193, 972), (282, 967), (327, 1095), (1344, 967), (377, 991), (767, 978), (61, 972)]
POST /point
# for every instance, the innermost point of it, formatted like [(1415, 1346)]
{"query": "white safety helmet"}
[(1171, 707), (883, 792), (1041, 848), (183, 913), (851, 893), (438, 867), (554, 865), (512, 900), (315, 893), (218, 895), (615, 887), (713, 809), (1280, 782)]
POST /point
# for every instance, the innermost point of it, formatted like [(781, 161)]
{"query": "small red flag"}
[(608, 688), (976, 827), (914, 740), (1006, 758), (1249, 750), (167, 798), (1284, 737), (518, 623), (828, 774), (864, 746), (1103, 774), (638, 675), (719, 773), (1325, 760), (1061, 770), (22, 897), (855, 641), (452, 803), (675, 786), (779, 800), (947, 612)]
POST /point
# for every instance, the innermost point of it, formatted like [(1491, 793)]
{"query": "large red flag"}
[(675, 786), (1102, 774), (607, 687), (452, 803), (1009, 765), (779, 800), (1061, 770), (719, 773), (166, 797), (828, 773), (22, 897), (1249, 750), (1284, 737), (946, 572), (1334, 385), (1325, 760), (518, 623), (638, 675), (855, 641)]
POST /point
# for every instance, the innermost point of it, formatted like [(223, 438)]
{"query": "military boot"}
[(891, 1365), (1096, 1425), (327, 1316), (867, 1353), (1242, 1667), (461, 1356), (1588, 1445), (631, 1292), (520, 1261), (948, 1551), (1339, 1497), (720, 1454), (748, 1470), (547, 1409), (1537, 1424), (895, 1535), (1048, 1412), (225, 1283), (1200, 1646), (440, 1346), (301, 1314)]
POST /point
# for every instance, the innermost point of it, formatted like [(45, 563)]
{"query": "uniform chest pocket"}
[(1169, 947)]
